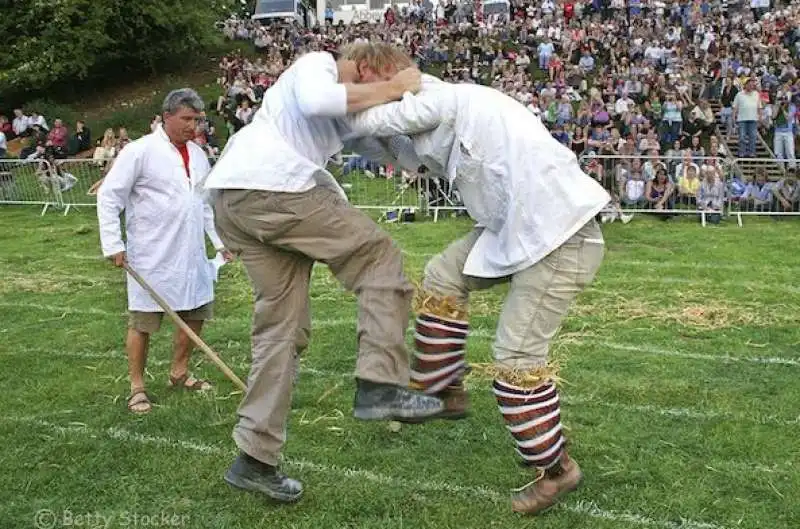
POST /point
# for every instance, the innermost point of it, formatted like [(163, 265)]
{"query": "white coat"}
[(166, 217), (525, 188)]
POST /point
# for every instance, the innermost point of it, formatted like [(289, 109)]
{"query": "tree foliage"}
[(52, 43)]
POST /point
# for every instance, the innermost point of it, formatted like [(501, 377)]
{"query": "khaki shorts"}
[(150, 322)]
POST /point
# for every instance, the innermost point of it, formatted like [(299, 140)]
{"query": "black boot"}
[(250, 474), (386, 402)]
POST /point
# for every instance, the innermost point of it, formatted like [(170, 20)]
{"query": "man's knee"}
[(302, 337), (383, 264), (443, 278)]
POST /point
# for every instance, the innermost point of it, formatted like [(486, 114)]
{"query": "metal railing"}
[(33, 182), (737, 187), (65, 184), (707, 187)]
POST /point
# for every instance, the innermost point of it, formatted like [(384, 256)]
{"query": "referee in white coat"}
[(155, 181)]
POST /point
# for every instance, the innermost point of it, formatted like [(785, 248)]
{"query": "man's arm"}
[(412, 115), (373, 149), (319, 94), (397, 150), (113, 197)]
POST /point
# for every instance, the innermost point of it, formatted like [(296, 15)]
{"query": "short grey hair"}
[(182, 97)]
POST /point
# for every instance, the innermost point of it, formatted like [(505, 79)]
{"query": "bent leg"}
[(320, 225), (442, 326)]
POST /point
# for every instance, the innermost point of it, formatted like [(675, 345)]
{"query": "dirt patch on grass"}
[(32, 284), (39, 283), (686, 310)]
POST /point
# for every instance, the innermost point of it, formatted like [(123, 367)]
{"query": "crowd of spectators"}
[(631, 87), (629, 90)]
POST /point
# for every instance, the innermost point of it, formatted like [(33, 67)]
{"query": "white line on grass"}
[(685, 413), (659, 265), (656, 351), (475, 333), (584, 508)]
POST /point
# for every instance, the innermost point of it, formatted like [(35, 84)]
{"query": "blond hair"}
[(378, 56)]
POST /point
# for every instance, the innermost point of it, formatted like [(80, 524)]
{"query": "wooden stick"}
[(188, 330)]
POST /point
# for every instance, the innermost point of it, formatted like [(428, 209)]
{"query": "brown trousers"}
[(278, 237)]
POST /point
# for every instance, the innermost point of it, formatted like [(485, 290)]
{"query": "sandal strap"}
[(133, 401), (180, 382)]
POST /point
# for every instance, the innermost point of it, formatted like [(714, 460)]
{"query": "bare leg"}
[(136, 345), (182, 348)]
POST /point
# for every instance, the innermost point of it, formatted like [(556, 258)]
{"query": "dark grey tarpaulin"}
[(269, 7)]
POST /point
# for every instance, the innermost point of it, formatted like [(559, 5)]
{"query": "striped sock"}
[(533, 416), (439, 359)]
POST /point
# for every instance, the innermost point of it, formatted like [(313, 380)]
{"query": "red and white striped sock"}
[(533, 416), (439, 360)]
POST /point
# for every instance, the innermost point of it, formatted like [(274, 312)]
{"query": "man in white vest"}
[(155, 181), (536, 231)]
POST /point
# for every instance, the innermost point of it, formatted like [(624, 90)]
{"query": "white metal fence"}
[(71, 183), (707, 187), (34, 182)]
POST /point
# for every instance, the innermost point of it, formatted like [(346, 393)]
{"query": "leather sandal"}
[(139, 403), (189, 383)]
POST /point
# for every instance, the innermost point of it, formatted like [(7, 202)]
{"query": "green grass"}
[(678, 407)]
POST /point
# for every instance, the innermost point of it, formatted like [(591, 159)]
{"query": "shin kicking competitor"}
[(535, 230), (280, 210)]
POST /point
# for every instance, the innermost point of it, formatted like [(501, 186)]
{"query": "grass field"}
[(681, 396)]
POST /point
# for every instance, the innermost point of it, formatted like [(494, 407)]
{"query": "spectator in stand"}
[(689, 186), (711, 194), (82, 139), (122, 139), (746, 112), (758, 195), (729, 92), (659, 193), (58, 139), (6, 128), (21, 123), (785, 113), (106, 148), (787, 194), (38, 119)]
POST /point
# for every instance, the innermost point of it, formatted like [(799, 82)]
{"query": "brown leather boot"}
[(456, 402), (549, 488)]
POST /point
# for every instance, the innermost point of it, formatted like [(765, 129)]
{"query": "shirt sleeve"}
[(317, 87), (412, 115), (208, 210), (114, 196)]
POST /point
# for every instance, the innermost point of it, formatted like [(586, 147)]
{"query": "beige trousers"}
[(278, 237), (538, 299)]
